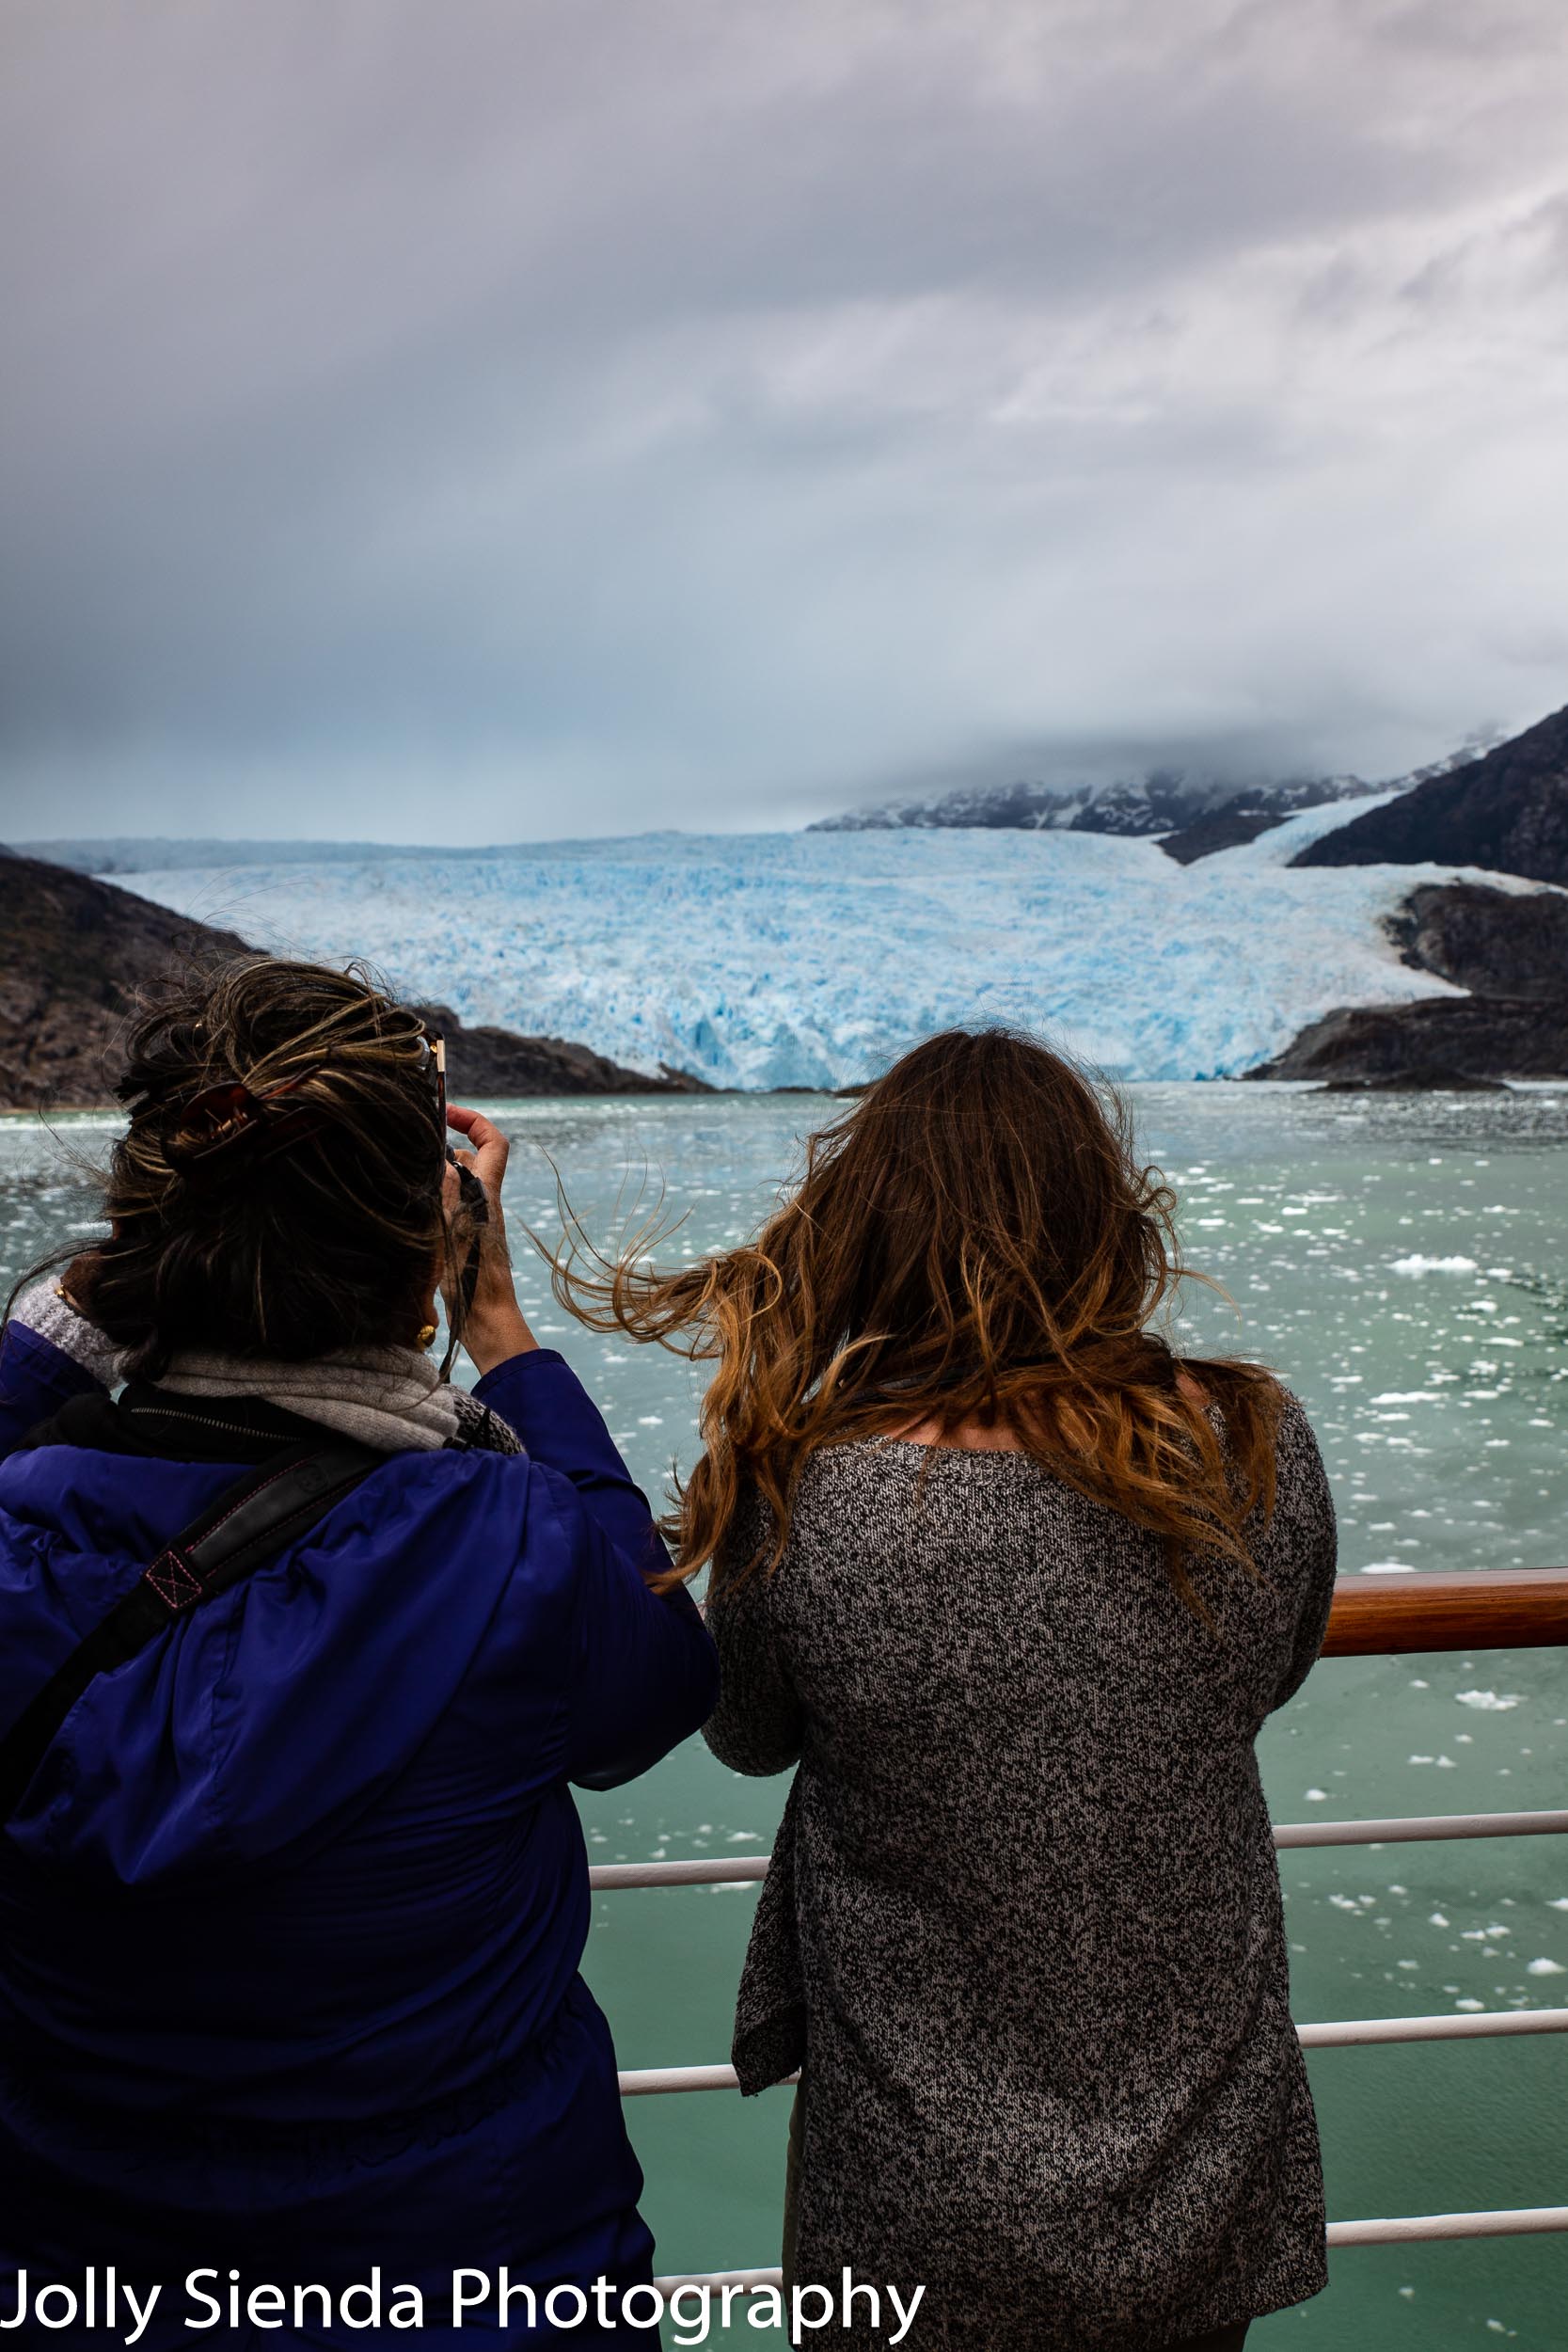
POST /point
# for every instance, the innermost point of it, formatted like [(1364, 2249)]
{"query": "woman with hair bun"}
[(1013, 1588), (300, 1651)]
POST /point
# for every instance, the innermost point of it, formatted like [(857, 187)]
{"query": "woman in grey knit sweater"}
[(1014, 1590)]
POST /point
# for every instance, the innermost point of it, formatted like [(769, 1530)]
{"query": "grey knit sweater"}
[(1025, 1912)]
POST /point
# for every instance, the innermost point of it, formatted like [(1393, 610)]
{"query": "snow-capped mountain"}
[(1165, 799), (811, 959)]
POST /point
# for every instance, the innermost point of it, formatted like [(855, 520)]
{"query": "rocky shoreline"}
[(1508, 948), (1441, 1041)]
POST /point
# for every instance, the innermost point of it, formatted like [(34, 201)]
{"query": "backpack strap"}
[(251, 1521)]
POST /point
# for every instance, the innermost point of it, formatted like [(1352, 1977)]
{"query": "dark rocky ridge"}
[(1495, 943), (1507, 811), (1438, 1042), (1510, 949), (74, 954)]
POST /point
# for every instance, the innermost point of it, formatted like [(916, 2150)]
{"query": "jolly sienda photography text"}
[(211, 2299)]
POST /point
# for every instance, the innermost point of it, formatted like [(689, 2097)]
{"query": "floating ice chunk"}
[(1316, 1796), (1417, 1264), (1545, 1968), (1492, 1702)]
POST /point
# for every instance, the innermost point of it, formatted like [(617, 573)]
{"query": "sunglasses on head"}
[(433, 1069)]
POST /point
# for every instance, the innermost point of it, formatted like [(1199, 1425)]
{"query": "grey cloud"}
[(550, 415)]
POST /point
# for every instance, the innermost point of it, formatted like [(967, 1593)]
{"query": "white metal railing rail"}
[(1416, 1827), (1399, 2228), (1339, 2033), (743, 1870)]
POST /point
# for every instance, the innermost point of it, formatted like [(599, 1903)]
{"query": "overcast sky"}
[(492, 419)]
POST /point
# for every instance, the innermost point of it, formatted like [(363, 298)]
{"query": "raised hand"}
[(494, 1325)]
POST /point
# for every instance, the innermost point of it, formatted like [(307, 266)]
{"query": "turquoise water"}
[(1402, 1263)]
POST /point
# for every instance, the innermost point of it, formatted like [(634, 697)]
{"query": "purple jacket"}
[(291, 1914)]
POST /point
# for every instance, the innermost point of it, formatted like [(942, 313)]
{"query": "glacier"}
[(811, 959)]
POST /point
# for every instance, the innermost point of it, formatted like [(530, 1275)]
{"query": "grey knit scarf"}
[(389, 1398)]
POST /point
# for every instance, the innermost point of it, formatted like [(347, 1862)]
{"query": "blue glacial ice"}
[(811, 959)]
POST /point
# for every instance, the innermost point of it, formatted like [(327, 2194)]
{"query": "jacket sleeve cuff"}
[(532, 1391)]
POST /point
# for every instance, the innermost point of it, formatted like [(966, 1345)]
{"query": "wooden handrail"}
[(1470, 1608)]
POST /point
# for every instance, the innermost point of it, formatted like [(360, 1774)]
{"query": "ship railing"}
[(1381, 1615)]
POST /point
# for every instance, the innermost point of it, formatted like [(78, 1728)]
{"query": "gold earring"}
[(425, 1333)]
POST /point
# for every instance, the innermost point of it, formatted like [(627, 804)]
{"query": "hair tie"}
[(228, 1121)]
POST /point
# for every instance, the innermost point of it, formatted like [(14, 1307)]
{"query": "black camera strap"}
[(251, 1521), (477, 1205)]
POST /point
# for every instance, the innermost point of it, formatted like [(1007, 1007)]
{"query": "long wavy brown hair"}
[(974, 1241)]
